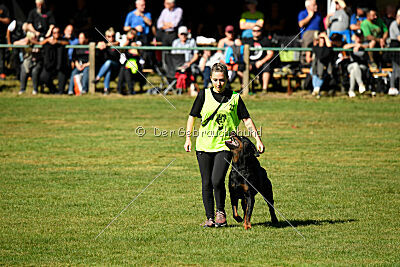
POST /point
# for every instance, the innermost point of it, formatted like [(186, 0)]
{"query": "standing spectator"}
[(250, 18), (376, 32), (321, 66), (390, 15), (275, 22), (260, 60), (55, 61), (82, 19), (169, 20), (357, 18), (311, 20), (111, 56), (80, 58), (32, 63), (358, 63), (140, 20), (394, 32), (339, 21), (4, 21), (40, 20), (16, 54)]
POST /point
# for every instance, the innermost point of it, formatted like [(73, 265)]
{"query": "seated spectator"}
[(111, 56), (4, 21), (311, 20), (321, 67), (168, 22), (260, 60), (130, 71), (376, 32), (80, 58), (55, 61), (72, 39), (16, 55), (234, 61), (358, 63), (250, 18), (356, 19), (394, 32), (191, 56), (339, 21), (140, 20), (206, 62), (32, 63), (229, 38), (40, 20)]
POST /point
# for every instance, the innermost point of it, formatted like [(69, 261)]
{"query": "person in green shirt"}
[(221, 111), (376, 32), (250, 18)]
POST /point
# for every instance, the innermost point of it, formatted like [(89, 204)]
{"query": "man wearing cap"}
[(250, 18), (40, 20), (183, 41), (140, 20), (167, 23)]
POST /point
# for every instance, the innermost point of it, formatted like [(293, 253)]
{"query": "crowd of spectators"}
[(340, 27)]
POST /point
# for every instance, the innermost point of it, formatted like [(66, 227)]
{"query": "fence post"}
[(246, 72), (92, 67)]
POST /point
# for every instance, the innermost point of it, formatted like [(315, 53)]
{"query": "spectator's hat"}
[(170, 1), (229, 28), (398, 12), (39, 1), (182, 30)]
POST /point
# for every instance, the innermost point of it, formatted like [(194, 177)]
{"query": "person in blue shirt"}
[(139, 20), (356, 19), (310, 21)]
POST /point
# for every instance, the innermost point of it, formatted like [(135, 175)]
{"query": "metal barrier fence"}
[(246, 55)]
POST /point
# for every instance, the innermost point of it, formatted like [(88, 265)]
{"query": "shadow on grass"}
[(295, 223)]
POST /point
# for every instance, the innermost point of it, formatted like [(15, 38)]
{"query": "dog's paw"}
[(238, 218)]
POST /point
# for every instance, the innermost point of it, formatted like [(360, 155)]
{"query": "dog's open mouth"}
[(233, 143)]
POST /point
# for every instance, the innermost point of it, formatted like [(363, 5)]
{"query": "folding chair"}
[(172, 64)]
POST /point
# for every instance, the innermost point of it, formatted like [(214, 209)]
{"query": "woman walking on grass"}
[(221, 111)]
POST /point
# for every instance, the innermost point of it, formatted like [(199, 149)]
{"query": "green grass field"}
[(69, 165)]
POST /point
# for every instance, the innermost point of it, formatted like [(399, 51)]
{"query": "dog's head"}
[(241, 147)]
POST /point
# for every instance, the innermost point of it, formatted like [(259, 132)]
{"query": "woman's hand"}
[(188, 145), (260, 146)]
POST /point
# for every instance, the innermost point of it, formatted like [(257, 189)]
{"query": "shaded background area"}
[(208, 13)]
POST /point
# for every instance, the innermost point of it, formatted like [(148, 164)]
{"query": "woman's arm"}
[(189, 128), (251, 127)]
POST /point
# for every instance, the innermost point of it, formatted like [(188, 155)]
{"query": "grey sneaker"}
[(208, 223), (220, 219)]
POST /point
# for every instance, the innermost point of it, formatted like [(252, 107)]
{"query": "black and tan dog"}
[(246, 174)]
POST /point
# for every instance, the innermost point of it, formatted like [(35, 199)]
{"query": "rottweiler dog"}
[(247, 178)]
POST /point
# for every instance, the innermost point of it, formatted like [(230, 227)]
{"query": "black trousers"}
[(213, 168), (47, 78)]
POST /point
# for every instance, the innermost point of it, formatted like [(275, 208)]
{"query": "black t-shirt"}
[(257, 55), (81, 55), (111, 53), (41, 22), (4, 13), (199, 102)]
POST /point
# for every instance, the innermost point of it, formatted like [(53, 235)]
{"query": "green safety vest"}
[(212, 137)]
